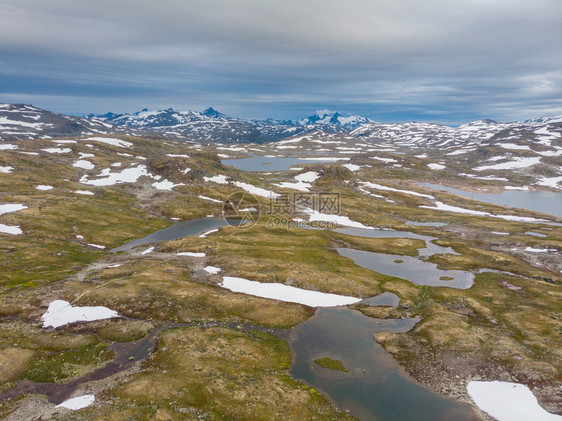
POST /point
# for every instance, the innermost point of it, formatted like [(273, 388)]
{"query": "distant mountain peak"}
[(211, 112)]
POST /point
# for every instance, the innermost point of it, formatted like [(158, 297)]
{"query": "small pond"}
[(178, 230), (266, 163), (546, 202), (374, 387), (410, 268), (429, 250)]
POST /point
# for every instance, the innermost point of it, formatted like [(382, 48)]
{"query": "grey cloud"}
[(273, 58)]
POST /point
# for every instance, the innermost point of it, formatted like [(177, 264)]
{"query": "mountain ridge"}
[(21, 121)]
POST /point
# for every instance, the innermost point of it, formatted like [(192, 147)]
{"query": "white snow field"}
[(286, 293), (61, 313)]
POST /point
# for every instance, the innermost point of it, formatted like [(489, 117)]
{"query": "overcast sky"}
[(396, 60)]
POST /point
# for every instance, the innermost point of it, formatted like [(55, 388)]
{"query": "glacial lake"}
[(546, 202), (375, 387), (178, 230), (429, 250), (267, 164), (410, 268)]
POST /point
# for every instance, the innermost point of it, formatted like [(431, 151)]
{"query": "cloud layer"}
[(258, 58)]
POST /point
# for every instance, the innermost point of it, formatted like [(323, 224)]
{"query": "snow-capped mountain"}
[(21, 121), (333, 118), (213, 126), (207, 126), (439, 136)]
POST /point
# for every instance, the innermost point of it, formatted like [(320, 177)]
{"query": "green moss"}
[(331, 364), (66, 365)]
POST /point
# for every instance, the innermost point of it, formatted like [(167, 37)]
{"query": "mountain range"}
[(20, 121)]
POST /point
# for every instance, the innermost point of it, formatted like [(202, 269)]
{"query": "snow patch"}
[(77, 402), (219, 179), (258, 191), (522, 162), (112, 141), (386, 188), (191, 254), (286, 293), (436, 166), (209, 199), (508, 401), (84, 164), (351, 167), (128, 175), (315, 216), (148, 250), (61, 313), (166, 185), (57, 150), (209, 232), (213, 270)]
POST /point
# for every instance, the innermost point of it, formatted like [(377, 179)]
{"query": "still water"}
[(410, 268), (178, 230), (375, 387), (429, 249), (266, 164), (539, 201)]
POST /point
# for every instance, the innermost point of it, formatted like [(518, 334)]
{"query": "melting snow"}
[(315, 216), (61, 313), (286, 293), (448, 208), (11, 207), (209, 232), (63, 142), (191, 254), (550, 181), (352, 167), (219, 179), (386, 188), (258, 191), (77, 402), (508, 401), (57, 150), (209, 199), (387, 160), (43, 187), (522, 162), (303, 181), (436, 166), (7, 146), (148, 250), (10, 229), (513, 146), (213, 270), (84, 192), (128, 175), (6, 170), (166, 185), (534, 250), (84, 164), (112, 141)]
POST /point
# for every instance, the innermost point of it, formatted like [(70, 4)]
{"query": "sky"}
[(409, 60)]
